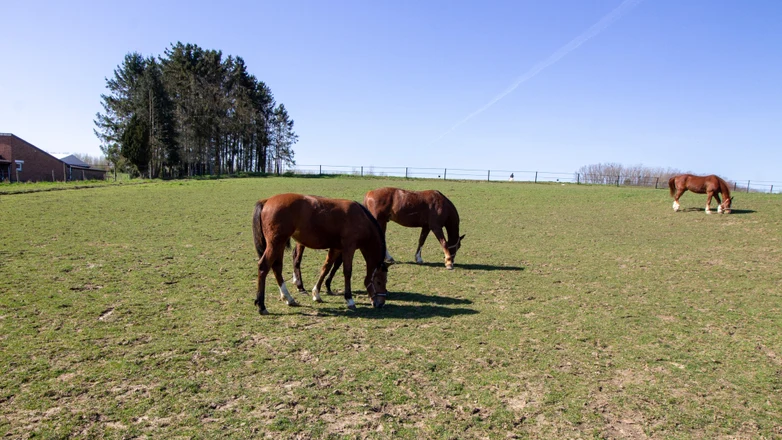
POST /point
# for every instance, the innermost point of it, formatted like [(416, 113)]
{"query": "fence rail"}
[(658, 182)]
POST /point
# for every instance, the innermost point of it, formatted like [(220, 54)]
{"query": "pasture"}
[(574, 311)]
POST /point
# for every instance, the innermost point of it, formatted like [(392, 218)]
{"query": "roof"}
[(70, 159)]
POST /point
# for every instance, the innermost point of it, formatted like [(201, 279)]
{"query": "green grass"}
[(574, 311)]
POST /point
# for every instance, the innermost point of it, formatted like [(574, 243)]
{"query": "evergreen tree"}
[(192, 111), (135, 144), (283, 139)]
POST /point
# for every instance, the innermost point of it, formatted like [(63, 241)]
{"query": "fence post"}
[(362, 170), (405, 172), (488, 178), (772, 190), (735, 184), (445, 173), (320, 170), (578, 178), (536, 177), (655, 183), (747, 185)]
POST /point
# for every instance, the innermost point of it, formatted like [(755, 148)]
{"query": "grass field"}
[(574, 311)]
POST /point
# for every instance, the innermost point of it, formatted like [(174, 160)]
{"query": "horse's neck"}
[(452, 228), (724, 188)]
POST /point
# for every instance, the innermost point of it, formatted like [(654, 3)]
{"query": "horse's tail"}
[(258, 238), (672, 185)]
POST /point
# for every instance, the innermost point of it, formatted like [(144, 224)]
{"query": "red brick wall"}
[(5, 150), (38, 165)]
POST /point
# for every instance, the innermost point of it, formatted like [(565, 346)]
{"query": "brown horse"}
[(429, 210), (711, 185), (342, 226)]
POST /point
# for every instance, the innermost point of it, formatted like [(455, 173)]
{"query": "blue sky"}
[(688, 84)]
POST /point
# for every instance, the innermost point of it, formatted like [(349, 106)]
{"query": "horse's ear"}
[(462, 237)]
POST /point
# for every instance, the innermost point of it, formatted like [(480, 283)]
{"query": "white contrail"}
[(596, 28)]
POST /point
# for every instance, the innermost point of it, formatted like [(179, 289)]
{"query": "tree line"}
[(618, 174), (191, 112)]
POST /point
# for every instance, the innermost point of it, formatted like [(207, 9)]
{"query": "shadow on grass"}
[(714, 211), (395, 307), (394, 310), (458, 266), (422, 298)]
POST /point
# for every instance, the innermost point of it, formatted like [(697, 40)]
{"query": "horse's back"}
[(409, 208), (316, 222), (697, 184)]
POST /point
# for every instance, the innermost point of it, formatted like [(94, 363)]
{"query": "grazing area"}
[(573, 311)]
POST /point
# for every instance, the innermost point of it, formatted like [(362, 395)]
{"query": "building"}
[(21, 161)]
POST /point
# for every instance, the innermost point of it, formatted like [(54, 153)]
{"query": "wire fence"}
[(657, 182)]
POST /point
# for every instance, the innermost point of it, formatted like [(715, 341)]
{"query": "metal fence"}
[(659, 182)]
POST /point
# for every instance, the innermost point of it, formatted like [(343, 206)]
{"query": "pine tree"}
[(200, 113), (283, 140)]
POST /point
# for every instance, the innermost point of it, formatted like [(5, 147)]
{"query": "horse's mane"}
[(724, 187), (379, 230)]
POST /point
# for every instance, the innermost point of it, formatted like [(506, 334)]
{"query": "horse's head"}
[(725, 205), (377, 286), (450, 259)]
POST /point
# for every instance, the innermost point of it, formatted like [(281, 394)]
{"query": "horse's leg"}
[(421, 241), (260, 297), (383, 224), (330, 278), (679, 193), (298, 253), (719, 202), (347, 270), (284, 294), (330, 258), (708, 201), (438, 233)]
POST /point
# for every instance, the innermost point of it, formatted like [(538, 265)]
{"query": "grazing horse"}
[(342, 226), (429, 210), (711, 185)]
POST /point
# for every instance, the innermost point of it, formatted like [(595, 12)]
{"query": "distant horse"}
[(711, 185), (342, 226), (429, 210)]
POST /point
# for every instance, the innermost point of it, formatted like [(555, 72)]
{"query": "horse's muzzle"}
[(379, 300)]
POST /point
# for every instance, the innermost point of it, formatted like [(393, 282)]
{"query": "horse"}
[(429, 210), (342, 226), (711, 185)]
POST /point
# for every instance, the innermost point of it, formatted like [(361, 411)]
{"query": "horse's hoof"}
[(263, 312), (449, 267), (330, 292), (391, 261), (318, 300), (293, 304), (352, 307), (303, 291)]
